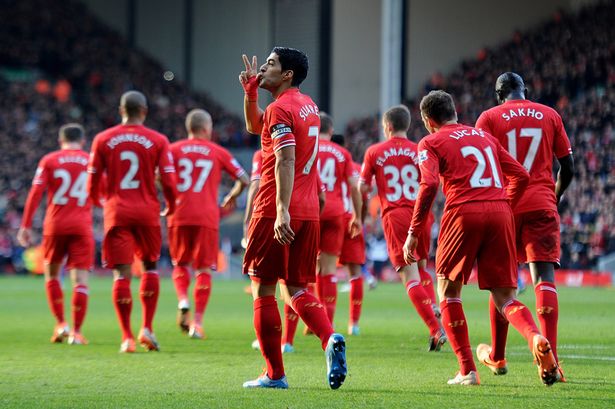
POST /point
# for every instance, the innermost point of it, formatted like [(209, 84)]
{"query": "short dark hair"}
[(133, 102), (509, 83), (326, 123), (294, 60), (71, 132), (439, 106), (338, 138), (398, 117)]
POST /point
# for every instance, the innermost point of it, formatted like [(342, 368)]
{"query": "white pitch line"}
[(564, 357)]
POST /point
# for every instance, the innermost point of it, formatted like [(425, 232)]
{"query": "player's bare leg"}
[(79, 305), (149, 291), (55, 298), (521, 319), (456, 327), (356, 298), (422, 303), (326, 282), (181, 282), (202, 290), (313, 313), (268, 328), (122, 300)]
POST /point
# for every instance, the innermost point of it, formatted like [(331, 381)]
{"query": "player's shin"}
[(356, 299), (202, 290), (291, 319), (181, 281), (79, 305), (499, 332), (313, 313), (268, 328), (55, 298), (122, 300), (547, 311), (422, 304), (456, 328), (149, 291)]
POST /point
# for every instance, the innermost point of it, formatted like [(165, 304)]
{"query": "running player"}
[(532, 133), (67, 229), (130, 155), (394, 165), (477, 227), (335, 168), (284, 229), (193, 228)]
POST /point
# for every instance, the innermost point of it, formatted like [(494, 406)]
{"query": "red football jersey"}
[(335, 167), (291, 120), (199, 164), (69, 211), (257, 163), (356, 173), (469, 162), (394, 164), (130, 156), (532, 133)]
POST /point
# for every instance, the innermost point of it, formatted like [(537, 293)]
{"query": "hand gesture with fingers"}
[(249, 77), (281, 229)]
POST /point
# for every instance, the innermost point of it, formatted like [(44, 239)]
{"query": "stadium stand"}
[(53, 71), (582, 90)]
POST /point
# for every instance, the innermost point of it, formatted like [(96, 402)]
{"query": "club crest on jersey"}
[(279, 130), (422, 156)]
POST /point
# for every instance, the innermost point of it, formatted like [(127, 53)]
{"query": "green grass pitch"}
[(388, 363)]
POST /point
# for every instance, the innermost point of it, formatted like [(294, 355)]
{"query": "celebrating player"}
[(284, 229), (532, 133), (335, 168), (477, 226), (67, 229), (393, 163), (130, 155), (193, 228)]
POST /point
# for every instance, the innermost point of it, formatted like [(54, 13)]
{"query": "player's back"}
[(199, 165), (394, 165), (335, 167), (291, 120), (130, 155), (532, 133), (468, 162), (69, 209)]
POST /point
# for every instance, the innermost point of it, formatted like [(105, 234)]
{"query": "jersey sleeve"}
[(483, 123), (281, 128), (367, 171), (230, 165), (96, 168), (518, 177), (429, 165), (257, 161), (561, 143), (39, 184), (167, 173)]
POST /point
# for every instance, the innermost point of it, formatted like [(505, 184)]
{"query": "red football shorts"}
[(194, 244), (267, 261), (332, 235), (538, 236), (396, 223), (78, 250), (481, 232), (353, 250), (122, 243)]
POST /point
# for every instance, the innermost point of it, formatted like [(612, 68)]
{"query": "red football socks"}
[(356, 299), (521, 318), (268, 328), (427, 283), (327, 293), (181, 280), (456, 328), (202, 289), (291, 319), (79, 305), (422, 304), (150, 288), (313, 313), (499, 332), (547, 310), (122, 300), (55, 298)]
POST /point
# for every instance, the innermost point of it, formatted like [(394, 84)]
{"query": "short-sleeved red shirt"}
[(335, 167), (199, 164), (291, 120), (257, 163), (130, 156), (532, 133), (69, 210)]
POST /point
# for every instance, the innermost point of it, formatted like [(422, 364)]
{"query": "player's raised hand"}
[(249, 77), (409, 248), (24, 237), (281, 229)]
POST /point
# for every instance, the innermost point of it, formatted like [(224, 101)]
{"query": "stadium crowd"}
[(582, 90)]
